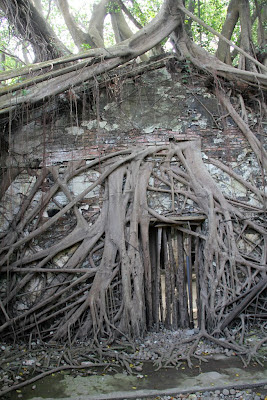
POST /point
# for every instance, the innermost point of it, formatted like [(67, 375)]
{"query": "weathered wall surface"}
[(154, 108), (146, 108), (51, 226)]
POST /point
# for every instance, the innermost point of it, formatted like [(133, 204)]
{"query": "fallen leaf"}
[(134, 387)]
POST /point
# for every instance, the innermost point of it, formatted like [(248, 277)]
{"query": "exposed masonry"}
[(145, 110), (153, 109), (162, 123)]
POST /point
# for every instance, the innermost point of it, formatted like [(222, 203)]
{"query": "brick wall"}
[(153, 108)]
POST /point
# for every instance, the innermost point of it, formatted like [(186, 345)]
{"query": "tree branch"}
[(258, 288), (159, 28), (229, 42), (79, 37), (12, 56), (251, 138), (129, 15), (32, 26), (223, 50)]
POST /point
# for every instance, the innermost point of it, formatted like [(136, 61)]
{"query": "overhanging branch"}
[(148, 37), (229, 42)]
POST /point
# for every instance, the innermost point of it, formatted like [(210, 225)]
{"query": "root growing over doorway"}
[(94, 279)]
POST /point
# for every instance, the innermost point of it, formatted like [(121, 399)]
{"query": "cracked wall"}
[(153, 108)]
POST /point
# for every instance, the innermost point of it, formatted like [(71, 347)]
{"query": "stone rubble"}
[(225, 394), (162, 342), (18, 361)]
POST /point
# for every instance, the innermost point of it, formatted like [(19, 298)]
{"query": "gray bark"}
[(31, 25), (223, 51)]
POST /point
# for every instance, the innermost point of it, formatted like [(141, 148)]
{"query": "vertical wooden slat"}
[(167, 280), (154, 280), (189, 281), (173, 299), (147, 273), (182, 294), (196, 270), (158, 285), (173, 279)]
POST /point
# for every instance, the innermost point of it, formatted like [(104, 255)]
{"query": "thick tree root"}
[(112, 250)]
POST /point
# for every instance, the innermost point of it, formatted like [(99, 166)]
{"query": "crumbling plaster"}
[(149, 109)]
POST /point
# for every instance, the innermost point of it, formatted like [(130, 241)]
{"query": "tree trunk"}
[(223, 50), (32, 26), (246, 42), (80, 38)]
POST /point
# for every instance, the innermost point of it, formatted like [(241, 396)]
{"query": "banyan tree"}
[(100, 276)]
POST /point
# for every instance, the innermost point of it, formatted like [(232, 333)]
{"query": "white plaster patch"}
[(13, 198), (110, 106), (75, 130), (85, 123), (92, 124), (79, 183), (112, 127), (151, 181), (218, 140), (246, 174), (177, 127), (227, 184), (165, 72), (61, 198), (102, 124), (150, 129), (203, 123), (207, 95), (22, 307)]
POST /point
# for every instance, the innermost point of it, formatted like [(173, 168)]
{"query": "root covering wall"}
[(93, 171)]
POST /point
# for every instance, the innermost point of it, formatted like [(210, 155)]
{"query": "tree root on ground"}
[(86, 358), (118, 259)]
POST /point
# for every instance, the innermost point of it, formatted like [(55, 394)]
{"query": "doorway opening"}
[(175, 273)]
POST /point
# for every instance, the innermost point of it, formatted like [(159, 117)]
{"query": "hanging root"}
[(101, 266)]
